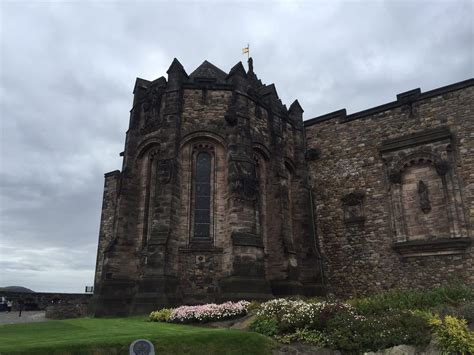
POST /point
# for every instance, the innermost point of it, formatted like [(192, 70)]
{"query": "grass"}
[(114, 336)]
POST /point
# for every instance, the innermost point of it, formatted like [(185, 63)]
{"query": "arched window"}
[(148, 189), (202, 196)]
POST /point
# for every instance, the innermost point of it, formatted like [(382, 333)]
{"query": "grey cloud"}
[(68, 69)]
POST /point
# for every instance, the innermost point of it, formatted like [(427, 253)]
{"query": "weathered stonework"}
[(226, 194), (413, 161), (212, 202)]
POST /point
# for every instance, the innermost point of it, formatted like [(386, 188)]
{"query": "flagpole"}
[(246, 50)]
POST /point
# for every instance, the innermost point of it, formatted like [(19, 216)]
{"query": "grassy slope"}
[(88, 335)]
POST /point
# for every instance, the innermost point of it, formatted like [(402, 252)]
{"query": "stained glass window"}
[(202, 196)]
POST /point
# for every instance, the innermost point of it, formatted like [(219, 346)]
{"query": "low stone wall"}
[(67, 310), (41, 300)]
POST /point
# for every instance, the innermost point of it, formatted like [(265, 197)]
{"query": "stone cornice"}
[(442, 246), (423, 137)]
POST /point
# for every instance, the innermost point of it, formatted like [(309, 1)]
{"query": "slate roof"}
[(208, 71)]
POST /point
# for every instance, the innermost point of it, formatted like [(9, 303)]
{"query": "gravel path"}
[(26, 317)]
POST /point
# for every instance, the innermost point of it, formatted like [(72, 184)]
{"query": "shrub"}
[(289, 314), (344, 332), (305, 335), (467, 312), (297, 314), (328, 311), (340, 326), (265, 326), (209, 312), (354, 333), (253, 306), (453, 335), (163, 315), (453, 294), (407, 327)]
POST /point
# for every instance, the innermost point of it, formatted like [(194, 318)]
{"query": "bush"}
[(297, 314), (345, 332), (209, 312), (355, 333), (289, 314), (163, 315), (453, 336), (467, 312), (340, 326), (453, 294), (305, 335), (328, 311), (265, 326), (407, 327), (253, 306)]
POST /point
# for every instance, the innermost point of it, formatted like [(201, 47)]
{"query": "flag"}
[(245, 50)]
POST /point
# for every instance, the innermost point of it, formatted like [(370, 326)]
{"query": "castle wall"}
[(41, 300), (241, 232), (394, 191), (107, 220), (214, 203)]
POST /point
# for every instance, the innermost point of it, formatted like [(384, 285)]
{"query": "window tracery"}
[(202, 200)]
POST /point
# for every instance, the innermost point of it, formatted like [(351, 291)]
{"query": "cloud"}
[(48, 269), (67, 70)]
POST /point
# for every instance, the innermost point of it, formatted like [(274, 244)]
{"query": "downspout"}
[(313, 224), (316, 240)]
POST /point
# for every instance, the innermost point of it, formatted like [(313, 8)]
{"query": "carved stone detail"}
[(164, 170), (151, 108), (243, 179), (424, 198), (423, 192), (442, 167), (353, 207)]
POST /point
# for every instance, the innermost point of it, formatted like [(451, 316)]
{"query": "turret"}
[(176, 75)]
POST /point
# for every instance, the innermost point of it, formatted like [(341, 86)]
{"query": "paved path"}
[(26, 317)]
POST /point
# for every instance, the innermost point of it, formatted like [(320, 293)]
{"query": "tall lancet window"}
[(202, 196)]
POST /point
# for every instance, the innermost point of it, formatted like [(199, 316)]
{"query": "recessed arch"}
[(262, 150), (416, 158), (146, 145), (203, 135)]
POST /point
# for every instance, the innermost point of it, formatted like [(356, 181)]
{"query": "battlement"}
[(405, 98), (207, 76)]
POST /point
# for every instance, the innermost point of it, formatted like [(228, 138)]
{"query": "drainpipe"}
[(315, 239)]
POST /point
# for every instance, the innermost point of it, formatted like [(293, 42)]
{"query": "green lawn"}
[(114, 336)]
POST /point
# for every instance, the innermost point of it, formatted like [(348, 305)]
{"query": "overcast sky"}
[(68, 70)]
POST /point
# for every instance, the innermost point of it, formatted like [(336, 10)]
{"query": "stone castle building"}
[(226, 194)]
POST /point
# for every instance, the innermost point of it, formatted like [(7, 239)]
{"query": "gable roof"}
[(208, 71)]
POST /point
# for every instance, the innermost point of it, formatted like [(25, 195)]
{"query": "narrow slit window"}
[(202, 196)]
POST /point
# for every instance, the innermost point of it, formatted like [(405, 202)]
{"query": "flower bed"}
[(398, 317), (339, 325), (203, 313)]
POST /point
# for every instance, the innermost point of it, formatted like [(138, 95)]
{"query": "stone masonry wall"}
[(249, 237), (107, 220), (354, 191), (41, 300)]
